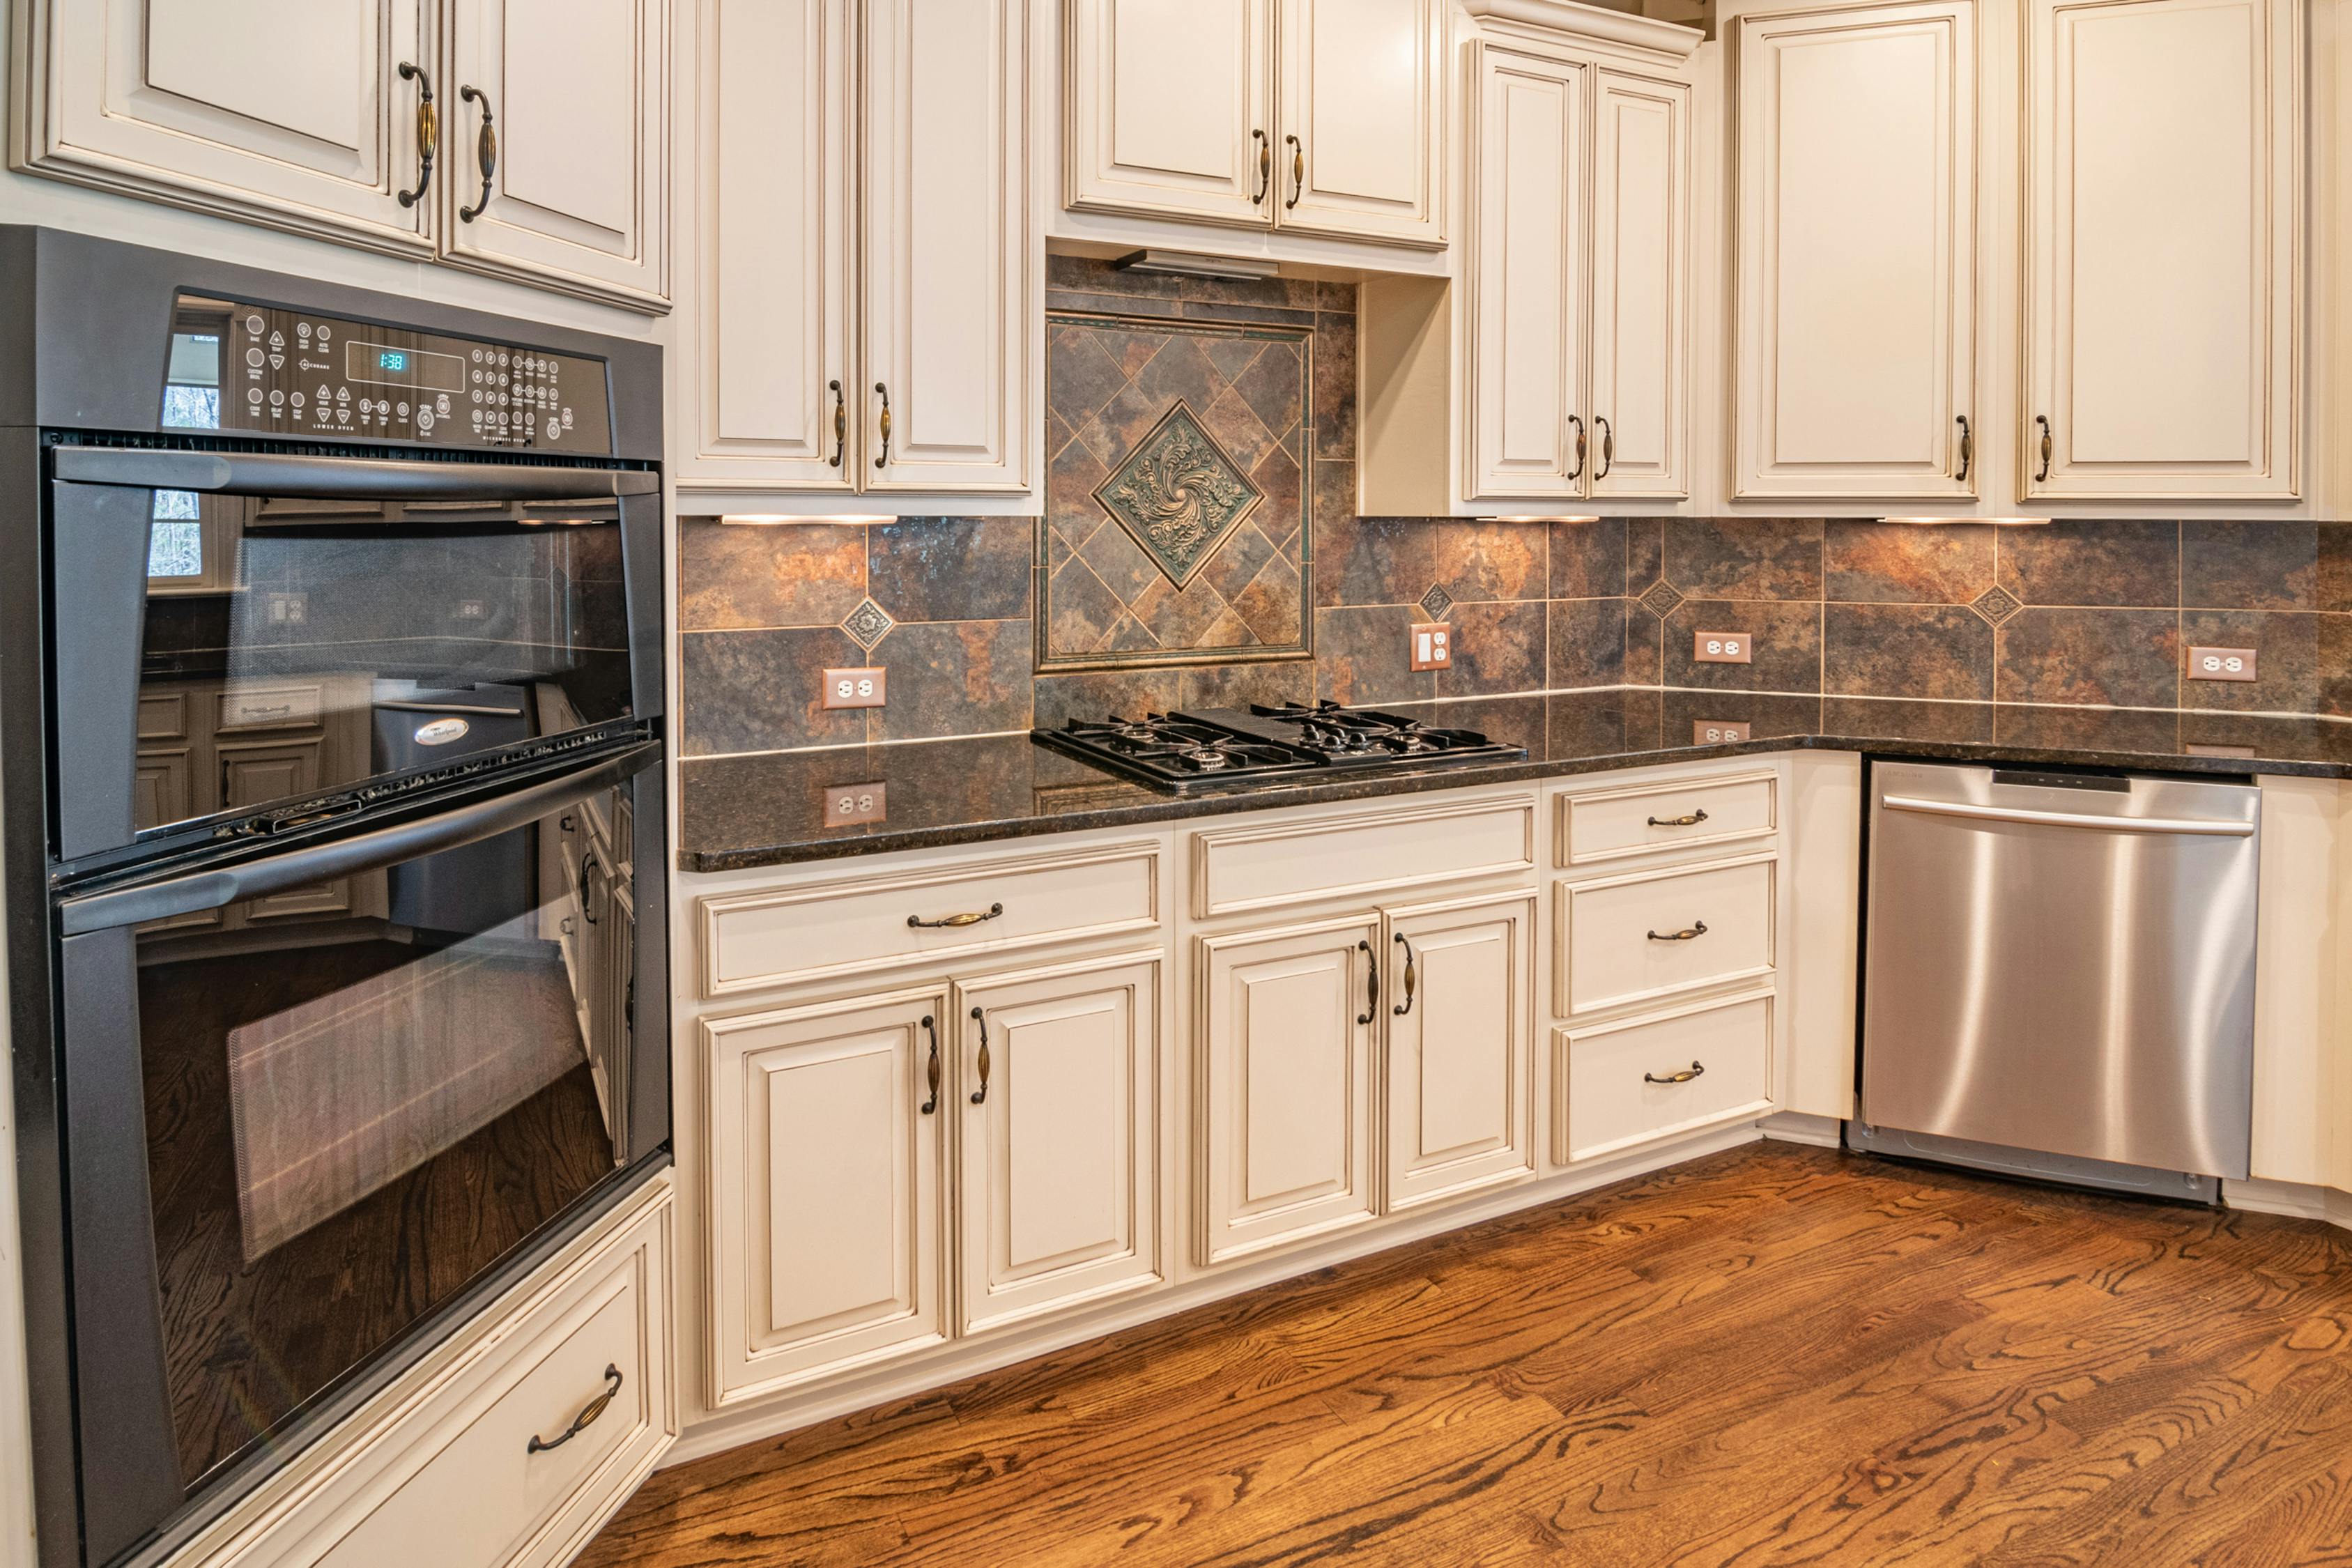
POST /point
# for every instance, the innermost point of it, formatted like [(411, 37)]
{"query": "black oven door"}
[(237, 633), (320, 1103)]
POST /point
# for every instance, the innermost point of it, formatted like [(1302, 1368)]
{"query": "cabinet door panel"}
[(576, 91), (1059, 1193), (1640, 285), (283, 110), (1460, 1055), (824, 1190), (1285, 1093), (252, 772), (1168, 106), (1526, 277), (773, 120), (1858, 263), (1362, 94), (2163, 230), (947, 302)]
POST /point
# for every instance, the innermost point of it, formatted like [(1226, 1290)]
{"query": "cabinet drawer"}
[(1609, 825), (269, 707), (755, 941), (1624, 940), (1611, 1098), (1237, 869)]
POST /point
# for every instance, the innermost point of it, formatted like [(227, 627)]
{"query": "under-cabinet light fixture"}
[(1548, 517), (768, 519), (1190, 264), (1994, 521)]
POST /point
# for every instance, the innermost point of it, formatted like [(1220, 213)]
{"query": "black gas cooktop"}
[(1224, 748)]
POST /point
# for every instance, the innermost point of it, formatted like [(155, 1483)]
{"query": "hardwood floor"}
[(1779, 1354)]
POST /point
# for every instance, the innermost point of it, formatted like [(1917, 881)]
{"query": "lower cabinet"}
[(1307, 1031), (1637, 1080), (860, 1147)]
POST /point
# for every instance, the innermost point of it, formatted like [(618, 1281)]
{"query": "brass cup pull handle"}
[(1968, 446), (952, 922), (486, 152), (1696, 1071), (1692, 820), (931, 1072), (882, 458), (1265, 167), (2048, 447), (1578, 420), (1371, 983), (585, 1419), (1691, 932), (1297, 172), (980, 1095), (1412, 978), (840, 423), (428, 133)]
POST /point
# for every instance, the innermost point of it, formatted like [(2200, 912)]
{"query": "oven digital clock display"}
[(385, 365)]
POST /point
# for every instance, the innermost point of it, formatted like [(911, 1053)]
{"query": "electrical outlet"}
[(2221, 664), (1433, 645), (862, 687), (288, 609), (1722, 647), (472, 610), (1717, 731), (847, 805)]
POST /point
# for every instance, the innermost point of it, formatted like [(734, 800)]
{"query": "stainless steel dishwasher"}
[(2059, 976)]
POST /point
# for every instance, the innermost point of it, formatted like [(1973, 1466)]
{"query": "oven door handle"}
[(451, 829), (340, 479)]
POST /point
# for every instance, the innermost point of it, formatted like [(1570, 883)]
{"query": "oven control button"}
[(325, 332), (424, 421), (441, 404), (297, 400), (278, 397), (253, 394), (253, 356), (253, 325)]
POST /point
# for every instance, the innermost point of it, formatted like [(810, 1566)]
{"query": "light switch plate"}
[(2221, 664), (1433, 645), (1717, 731), (1723, 647), (847, 805), (865, 687)]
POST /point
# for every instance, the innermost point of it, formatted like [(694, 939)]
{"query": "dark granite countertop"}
[(768, 810)]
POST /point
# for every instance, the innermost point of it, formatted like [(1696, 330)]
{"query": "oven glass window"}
[(362, 1094)]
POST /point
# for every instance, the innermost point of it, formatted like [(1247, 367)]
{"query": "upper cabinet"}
[(1321, 117), (2164, 178), (1856, 200), (519, 137), (868, 288)]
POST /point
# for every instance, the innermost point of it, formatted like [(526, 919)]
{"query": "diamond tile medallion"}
[(867, 624), (1436, 602), (1996, 605), (1661, 599), (1178, 495)]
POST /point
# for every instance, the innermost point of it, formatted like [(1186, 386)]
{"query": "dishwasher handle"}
[(2203, 827)]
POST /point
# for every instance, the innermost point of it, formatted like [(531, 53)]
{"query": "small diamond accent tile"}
[(1996, 605), (1661, 599), (1436, 602), (1178, 495), (869, 624)]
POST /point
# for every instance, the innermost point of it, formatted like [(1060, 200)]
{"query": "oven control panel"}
[(299, 373)]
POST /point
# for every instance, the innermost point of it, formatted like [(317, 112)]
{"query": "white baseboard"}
[(1796, 1127), (951, 1363), (2289, 1198)]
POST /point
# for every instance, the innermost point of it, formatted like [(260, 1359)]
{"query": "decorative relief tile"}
[(1436, 602), (1178, 495), (1995, 605), (869, 624), (1660, 600)]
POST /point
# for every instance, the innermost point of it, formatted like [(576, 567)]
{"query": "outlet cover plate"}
[(1723, 647), (1718, 731), (2221, 664), (1433, 645), (868, 686), (847, 805)]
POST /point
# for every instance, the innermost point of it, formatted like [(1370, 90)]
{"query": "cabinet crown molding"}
[(1549, 20)]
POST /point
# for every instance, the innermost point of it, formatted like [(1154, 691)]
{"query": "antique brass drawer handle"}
[(1297, 172), (428, 133), (1968, 447), (486, 152), (840, 423), (980, 1095), (931, 1072), (2046, 447), (1608, 448), (1675, 1077), (1264, 166), (968, 918), (1411, 980), (1689, 933), (585, 1419), (882, 458), (1578, 471), (1693, 820), (1371, 984)]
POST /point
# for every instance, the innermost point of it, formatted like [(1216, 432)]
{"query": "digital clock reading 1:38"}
[(385, 365)]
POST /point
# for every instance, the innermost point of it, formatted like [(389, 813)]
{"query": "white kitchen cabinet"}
[(555, 132), (1461, 1048), (1857, 265), (1058, 1189), (867, 294), (2164, 238), (1641, 286), (1319, 116)]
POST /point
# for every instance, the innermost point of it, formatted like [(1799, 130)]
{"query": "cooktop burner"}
[(1224, 748)]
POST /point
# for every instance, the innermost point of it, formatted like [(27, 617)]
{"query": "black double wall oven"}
[(331, 717)]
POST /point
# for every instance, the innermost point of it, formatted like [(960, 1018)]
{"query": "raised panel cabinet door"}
[(825, 1129), (1058, 1190), (556, 135), (1641, 286), (287, 113), (1857, 267), (1360, 150), (1526, 429), (253, 772), (949, 304), (772, 387), (2164, 175), (1168, 109), (1460, 1071), (1284, 1093)]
